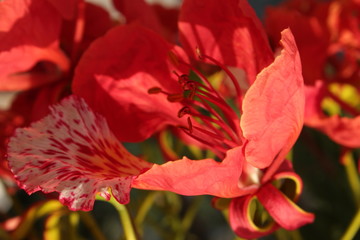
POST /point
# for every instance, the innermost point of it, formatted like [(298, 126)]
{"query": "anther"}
[(190, 124), (154, 90), (198, 53), (190, 85), (173, 58), (183, 79), (183, 111), (175, 97)]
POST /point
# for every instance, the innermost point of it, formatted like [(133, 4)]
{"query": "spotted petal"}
[(72, 151)]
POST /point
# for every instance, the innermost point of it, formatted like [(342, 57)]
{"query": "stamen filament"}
[(217, 149), (203, 78), (230, 115), (225, 69), (220, 122), (223, 140)]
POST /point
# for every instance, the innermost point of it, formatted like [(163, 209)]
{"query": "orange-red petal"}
[(197, 177), (273, 108), (241, 221), (284, 211)]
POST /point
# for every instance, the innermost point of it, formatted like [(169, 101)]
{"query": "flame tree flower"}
[(140, 84), (330, 67), (148, 96)]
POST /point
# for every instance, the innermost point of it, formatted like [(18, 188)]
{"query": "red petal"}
[(116, 73), (9, 121), (284, 211), (73, 152), (197, 177), (273, 108), (230, 33), (169, 19), (313, 98), (342, 130), (308, 22), (67, 8), (241, 221), (29, 33), (141, 12), (97, 23)]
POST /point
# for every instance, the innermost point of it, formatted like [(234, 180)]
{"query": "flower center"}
[(211, 120)]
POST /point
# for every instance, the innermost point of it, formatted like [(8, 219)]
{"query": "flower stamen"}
[(210, 120)]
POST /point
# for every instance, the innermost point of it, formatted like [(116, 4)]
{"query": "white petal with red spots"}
[(72, 151)]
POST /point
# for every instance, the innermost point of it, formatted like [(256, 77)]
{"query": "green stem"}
[(295, 235), (4, 235), (353, 177), (89, 221), (145, 207), (127, 222), (189, 218), (352, 228), (285, 234)]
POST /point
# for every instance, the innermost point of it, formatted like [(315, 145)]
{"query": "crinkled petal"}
[(29, 32), (116, 73), (273, 108), (284, 211), (230, 33), (197, 177), (242, 222), (72, 151)]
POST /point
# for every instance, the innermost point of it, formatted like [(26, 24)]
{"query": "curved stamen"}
[(225, 69), (217, 149), (220, 122), (221, 139), (219, 127), (229, 114)]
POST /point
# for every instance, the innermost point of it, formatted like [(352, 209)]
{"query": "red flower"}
[(140, 84), (333, 59), (136, 77)]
